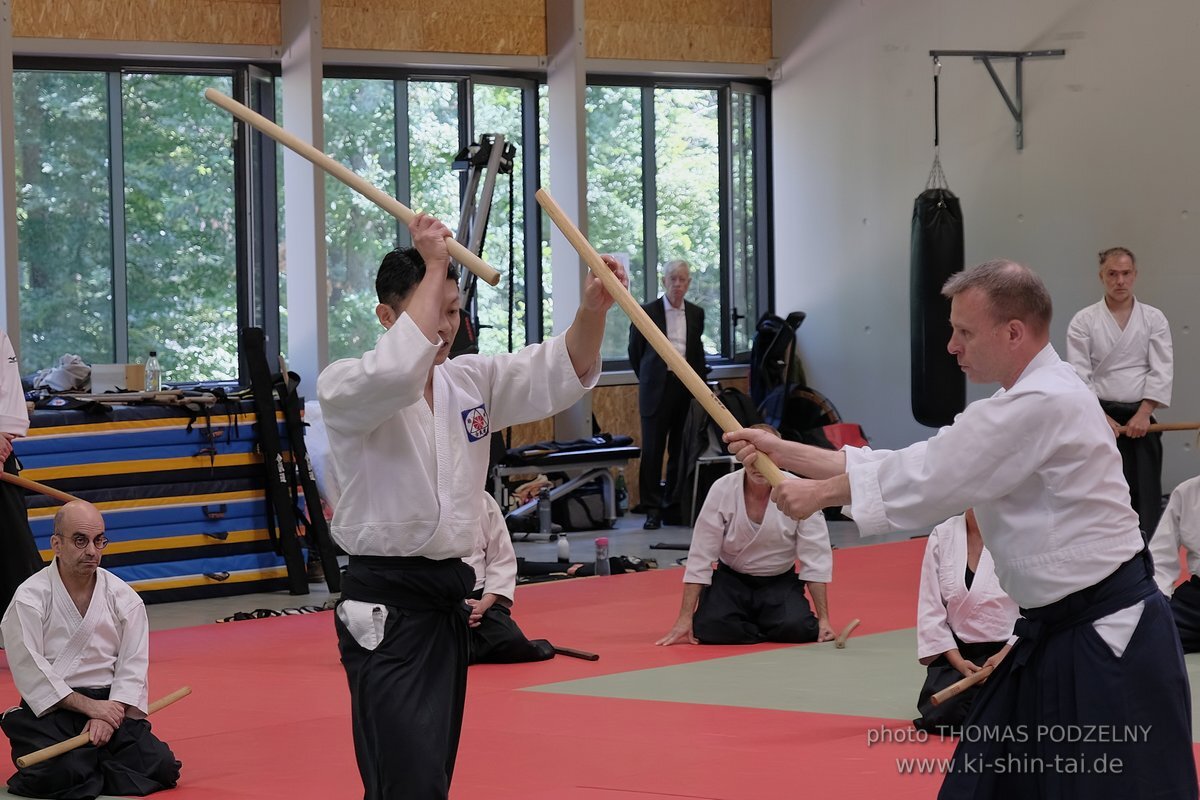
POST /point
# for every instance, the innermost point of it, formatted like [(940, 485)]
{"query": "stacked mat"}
[(181, 492)]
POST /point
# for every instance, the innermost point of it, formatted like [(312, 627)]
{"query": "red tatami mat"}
[(269, 714)]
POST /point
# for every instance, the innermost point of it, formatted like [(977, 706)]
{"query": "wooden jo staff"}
[(955, 689), (655, 337), (34, 486), (382, 199), (1156, 427), (38, 756)]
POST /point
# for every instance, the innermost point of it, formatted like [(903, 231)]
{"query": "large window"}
[(672, 174), (126, 220)]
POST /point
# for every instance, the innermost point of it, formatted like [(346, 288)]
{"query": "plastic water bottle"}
[(622, 492), (153, 373), (564, 548), (543, 509), (602, 565)]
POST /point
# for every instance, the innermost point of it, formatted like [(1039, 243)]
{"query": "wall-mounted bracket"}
[(986, 56)]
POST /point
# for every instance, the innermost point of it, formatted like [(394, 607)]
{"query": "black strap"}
[(935, 108), (254, 349)]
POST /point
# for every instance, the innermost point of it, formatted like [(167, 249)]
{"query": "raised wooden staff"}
[(957, 688), (655, 337), (46, 753), (34, 486), (382, 199)]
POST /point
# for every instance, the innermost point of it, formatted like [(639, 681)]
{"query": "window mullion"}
[(116, 193), (649, 197)]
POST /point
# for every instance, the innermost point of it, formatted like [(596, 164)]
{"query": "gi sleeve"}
[(500, 559), (934, 636), (358, 395), (709, 532), (14, 418), (1079, 347), (1160, 378), (813, 550), (35, 679), (133, 657)]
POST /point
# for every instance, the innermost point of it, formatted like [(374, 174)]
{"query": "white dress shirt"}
[(676, 326), (724, 532), (1039, 465)]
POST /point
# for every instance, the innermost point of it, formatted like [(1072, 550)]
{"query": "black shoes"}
[(652, 523)]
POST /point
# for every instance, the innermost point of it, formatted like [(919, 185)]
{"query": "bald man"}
[(77, 641)]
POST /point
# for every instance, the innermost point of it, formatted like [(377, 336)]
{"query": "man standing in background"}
[(663, 400), (1122, 349)]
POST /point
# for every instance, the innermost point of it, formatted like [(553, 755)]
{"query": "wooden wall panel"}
[(498, 27), (679, 30), (244, 22)]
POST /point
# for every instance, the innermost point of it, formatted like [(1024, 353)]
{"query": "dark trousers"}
[(1141, 460), (497, 639), (1134, 709), (745, 609), (939, 675), (19, 557), (407, 695), (134, 762), (663, 433), (1185, 607)]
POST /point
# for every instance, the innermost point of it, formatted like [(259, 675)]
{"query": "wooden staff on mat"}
[(655, 337), (46, 753), (34, 486), (957, 688), (382, 199), (840, 641)]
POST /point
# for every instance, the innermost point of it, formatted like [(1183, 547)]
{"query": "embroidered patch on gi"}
[(476, 421)]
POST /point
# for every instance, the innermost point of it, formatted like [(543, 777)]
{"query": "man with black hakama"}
[(1093, 699), (77, 642), (409, 442)]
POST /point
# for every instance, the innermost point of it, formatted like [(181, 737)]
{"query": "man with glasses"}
[(77, 642)]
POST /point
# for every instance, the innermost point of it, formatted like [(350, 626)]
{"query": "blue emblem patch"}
[(476, 421)]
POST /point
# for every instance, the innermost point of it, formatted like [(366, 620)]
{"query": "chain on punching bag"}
[(938, 387)]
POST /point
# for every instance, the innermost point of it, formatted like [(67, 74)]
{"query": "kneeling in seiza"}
[(495, 636), (755, 593), (964, 619), (1180, 527), (77, 642)]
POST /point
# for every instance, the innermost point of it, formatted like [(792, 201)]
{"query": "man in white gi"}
[(964, 619), (495, 636), (755, 594), (78, 647), (19, 557), (1180, 527), (1121, 348), (409, 440), (1097, 647)]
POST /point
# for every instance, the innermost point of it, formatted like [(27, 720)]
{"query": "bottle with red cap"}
[(602, 565)]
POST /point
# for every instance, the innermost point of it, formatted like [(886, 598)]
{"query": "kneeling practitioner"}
[(755, 594), (1180, 527), (78, 646)]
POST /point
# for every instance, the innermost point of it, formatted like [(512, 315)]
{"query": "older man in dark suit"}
[(662, 398)]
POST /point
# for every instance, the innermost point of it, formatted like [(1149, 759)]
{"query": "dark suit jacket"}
[(648, 366)]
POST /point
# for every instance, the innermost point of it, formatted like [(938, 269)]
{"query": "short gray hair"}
[(1013, 290), (677, 264), (1117, 252)]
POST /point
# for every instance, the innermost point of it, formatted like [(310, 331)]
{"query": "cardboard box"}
[(118, 377)]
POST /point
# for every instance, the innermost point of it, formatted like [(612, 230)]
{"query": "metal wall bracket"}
[(986, 56)]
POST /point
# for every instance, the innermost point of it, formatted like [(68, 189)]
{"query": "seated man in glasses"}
[(77, 643)]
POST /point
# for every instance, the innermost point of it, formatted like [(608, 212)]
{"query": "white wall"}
[(1112, 133)]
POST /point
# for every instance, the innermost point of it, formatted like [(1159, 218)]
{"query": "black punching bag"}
[(939, 390)]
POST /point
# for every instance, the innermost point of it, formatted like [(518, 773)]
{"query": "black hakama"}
[(497, 639), (407, 695), (1063, 717), (19, 557), (1141, 461), (133, 762), (1185, 606), (944, 719), (748, 609)]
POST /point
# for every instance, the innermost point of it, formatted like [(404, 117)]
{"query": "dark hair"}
[(400, 272), (1013, 291), (1117, 252)]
